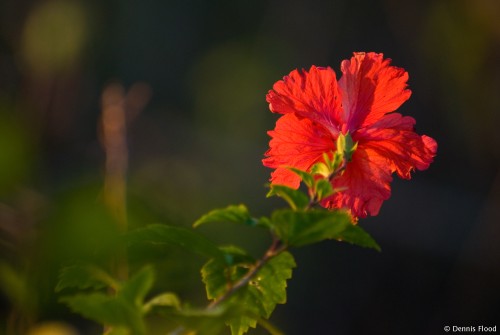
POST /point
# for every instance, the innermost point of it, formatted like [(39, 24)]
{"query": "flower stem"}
[(276, 248)]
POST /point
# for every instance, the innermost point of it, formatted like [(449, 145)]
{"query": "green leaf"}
[(217, 274), (346, 146), (269, 284), (265, 222), (84, 277), (241, 324), (259, 297), (234, 255), (337, 160), (295, 198), (124, 310), (323, 189), (307, 227), (264, 292), (297, 228), (233, 214), (306, 177), (179, 236), (350, 147), (167, 300), (112, 311), (354, 234), (207, 321), (216, 280), (328, 161), (341, 143), (321, 168), (135, 289)]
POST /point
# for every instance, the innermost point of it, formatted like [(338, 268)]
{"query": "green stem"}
[(276, 248)]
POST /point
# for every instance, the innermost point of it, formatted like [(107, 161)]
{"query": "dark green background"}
[(199, 142)]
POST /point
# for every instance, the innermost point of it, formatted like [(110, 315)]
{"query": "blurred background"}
[(194, 75)]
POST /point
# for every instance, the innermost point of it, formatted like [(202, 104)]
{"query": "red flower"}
[(316, 108)]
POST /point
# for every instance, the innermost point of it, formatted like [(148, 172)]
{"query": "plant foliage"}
[(243, 290)]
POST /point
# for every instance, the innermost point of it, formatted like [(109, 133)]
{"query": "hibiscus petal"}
[(313, 95), (370, 88), (393, 137), (297, 143), (387, 146), (367, 181)]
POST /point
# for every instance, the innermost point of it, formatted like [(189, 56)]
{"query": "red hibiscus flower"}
[(316, 108)]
